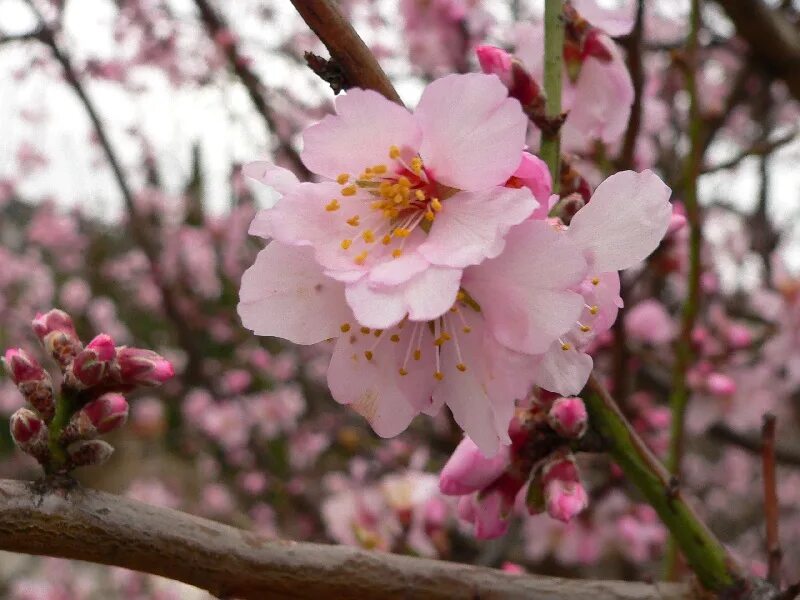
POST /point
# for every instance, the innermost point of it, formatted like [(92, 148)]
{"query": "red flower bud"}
[(93, 363), (22, 367), (138, 366), (54, 320), (107, 413), (30, 434), (568, 417)]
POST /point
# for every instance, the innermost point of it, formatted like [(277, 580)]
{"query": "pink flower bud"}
[(57, 333), (54, 320), (495, 61), (561, 468), (143, 367), (86, 453), (568, 417), (22, 367), (676, 222), (739, 336), (25, 426), (107, 413), (93, 363), (488, 512), (565, 499), (103, 345), (468, 470), (720, 385)]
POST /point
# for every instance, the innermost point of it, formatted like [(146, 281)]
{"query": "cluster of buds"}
[(60, 430), (537, 472)]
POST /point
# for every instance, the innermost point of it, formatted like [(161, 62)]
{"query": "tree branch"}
[(784, 455), (771, 508), (228, 562), (347, 49), (774, 41), (760, 148), (215, 26)]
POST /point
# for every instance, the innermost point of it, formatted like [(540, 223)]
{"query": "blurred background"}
[(123, 128)]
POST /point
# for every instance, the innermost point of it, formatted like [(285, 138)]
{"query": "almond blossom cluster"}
[(60, 429), (423, 252)]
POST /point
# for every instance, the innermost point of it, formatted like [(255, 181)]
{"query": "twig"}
[(347, 49), (216, 27), (771, 499), (186, 337), (715, 569), (550, 149), (20, 37), (783, 455), (228, 562), (760, 148)]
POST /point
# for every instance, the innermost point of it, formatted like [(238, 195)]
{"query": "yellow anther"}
[(350, 190), (379, 169), (368, 354), (377, 332), (436, 205), (594, 309), (368, 236), (361, 258), (420, 195), (460, 296), (398, 199), (565, 346), (394, 152), (342, 179), (345, 327), (346, 244), (404, 181), (397, 253), (384, 188), (386, 240), (416, 165), (353, 220), (332, 205), (595, 280), (429, 216), (402, 232), (461, 367), (438, 375), (365, 330), (585, 328), (467, 329), (402, 371), (395, 338), (417, 354)]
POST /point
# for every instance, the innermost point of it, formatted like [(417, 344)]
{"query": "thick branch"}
[(351, 54), (774, 41), (771, 508), (228, 562), (216, 27)]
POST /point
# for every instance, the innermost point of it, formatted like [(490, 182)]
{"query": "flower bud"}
[(594, 45), (86, 453), (33, 381), (107, 413), (468, 470), (739, 336), (495, 61), (22, 367), (143, 367), (92, 363), (57, 333), (720, 385), (568, 417), (53, 320), (488, 512), (30, 434), (565, 499)]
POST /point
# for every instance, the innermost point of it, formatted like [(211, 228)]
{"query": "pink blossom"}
[(649, 322), (468, 470), (720, 384), (391, 176), (568, 417)]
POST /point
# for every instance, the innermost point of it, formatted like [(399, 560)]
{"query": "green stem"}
[(553, 57), (684, 354), (65, 407), (704, 553)]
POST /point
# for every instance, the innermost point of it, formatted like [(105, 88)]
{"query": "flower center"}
[(390, 204)]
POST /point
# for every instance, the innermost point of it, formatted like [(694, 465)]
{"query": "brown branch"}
[(771, 499), (760, 148), (347, 49), (216, 26), (228, 562), (783, 455), (773, 40)]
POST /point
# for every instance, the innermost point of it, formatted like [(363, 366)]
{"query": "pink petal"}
[(374, 388), (564, 372), (359, 135), (281, 180), (378, 307), (472, 225), (261, 225), (534, 174), (624, 221), (524, 293), (473, 133), (284, 294), (615, 22)]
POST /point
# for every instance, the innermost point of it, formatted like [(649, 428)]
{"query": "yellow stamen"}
[(436, 205), (404, 181), (594, 309), (416, 165), (386, 240), (461, 367), (595, 280), (379, 169), (417, 354), (438, 375), (350, 190), (394, 152), (397, 252), (345, 327), (467, 329), (353, 220), (365, 330), (332, 205), (585, 328), (361, 258), (460, 296), (346, 244), (565, 346), (402, 232), (368, 236), (368, 354), (378, 332), (420, 195), (342, 179), (402, 371), (395, 338), (429, 216)]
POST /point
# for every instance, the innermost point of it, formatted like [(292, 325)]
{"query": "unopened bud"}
[(29, 433), (720, 385), (495, 61), (143, 367), (568, 417), (53, 320), (565, 499), (468, 470), (519, 81), (107, 413), (22, 367), (86, 453), (93, 363), (57, 333)]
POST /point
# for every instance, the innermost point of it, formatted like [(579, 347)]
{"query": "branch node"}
[(329, 71)]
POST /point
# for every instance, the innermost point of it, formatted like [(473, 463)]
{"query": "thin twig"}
[(216, 27), (783, 455), (231, 563), (760, 148), (347, 49), (771, 499)]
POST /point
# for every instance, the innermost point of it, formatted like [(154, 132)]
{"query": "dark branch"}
[(783, 455), (771, 515)]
